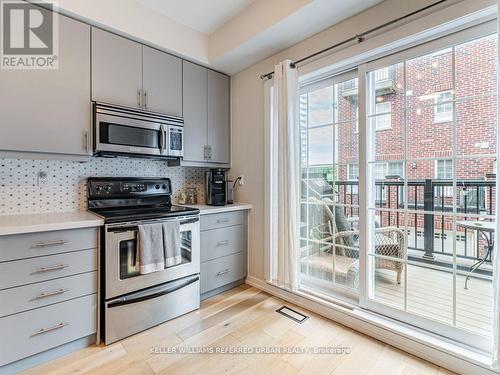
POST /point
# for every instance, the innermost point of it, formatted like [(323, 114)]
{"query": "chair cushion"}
[(343, 226)]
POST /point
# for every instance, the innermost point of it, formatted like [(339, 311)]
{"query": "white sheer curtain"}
[(495, 257), (284, 166)]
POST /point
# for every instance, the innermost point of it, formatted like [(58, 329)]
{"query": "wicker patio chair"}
[(390, 242)]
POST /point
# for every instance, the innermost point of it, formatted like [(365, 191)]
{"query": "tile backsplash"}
[(65, 187)]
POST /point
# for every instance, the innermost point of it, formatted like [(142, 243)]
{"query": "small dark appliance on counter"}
[(215, 185)]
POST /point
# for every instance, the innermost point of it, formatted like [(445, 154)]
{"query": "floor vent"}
[(292, 314)]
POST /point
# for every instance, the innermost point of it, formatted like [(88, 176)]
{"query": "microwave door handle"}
[(162, 139)]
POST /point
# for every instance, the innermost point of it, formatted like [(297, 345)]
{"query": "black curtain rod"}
[(359, 37)]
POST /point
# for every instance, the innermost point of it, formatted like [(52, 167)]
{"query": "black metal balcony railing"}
[(434, 197), (430, 203)]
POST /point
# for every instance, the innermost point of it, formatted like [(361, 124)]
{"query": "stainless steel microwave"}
[(128, 131)]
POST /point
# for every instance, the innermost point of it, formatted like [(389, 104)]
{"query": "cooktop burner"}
[(133, 199)]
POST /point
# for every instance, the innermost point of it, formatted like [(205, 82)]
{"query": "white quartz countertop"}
[(207, 210), (43, 222)]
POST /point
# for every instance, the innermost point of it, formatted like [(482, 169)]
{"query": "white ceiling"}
[(204, 16)]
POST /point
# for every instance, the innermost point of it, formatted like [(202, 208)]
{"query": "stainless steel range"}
[(130, 301)]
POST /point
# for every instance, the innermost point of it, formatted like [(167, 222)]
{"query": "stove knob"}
[(164, 186), (107, 188), (157, 186), (98, 188)]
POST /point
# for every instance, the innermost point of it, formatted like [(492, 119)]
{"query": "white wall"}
[(248, 112)]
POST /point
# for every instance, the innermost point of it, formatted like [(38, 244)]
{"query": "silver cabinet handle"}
[(221, 243), (209, 152), (205, 152), (221, 273), (50, 294), (51, 243), (225, 220), (45, 330), (139, 97), (145, 99), (51, 268)]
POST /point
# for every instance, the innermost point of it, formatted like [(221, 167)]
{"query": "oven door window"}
[(129, 264), (129, 267), (115, 134)]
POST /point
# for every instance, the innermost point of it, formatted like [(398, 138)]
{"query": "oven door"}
[(121, 267), (175, 141), (128, 135)]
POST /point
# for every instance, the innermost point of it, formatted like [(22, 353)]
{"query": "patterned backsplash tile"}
[(65, 188)]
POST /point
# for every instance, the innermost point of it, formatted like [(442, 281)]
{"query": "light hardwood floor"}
[(242, 317)]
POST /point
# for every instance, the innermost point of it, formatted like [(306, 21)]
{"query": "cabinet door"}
[(195, 111), (162, 82), (116, 69), (219, 129), (48, 111)]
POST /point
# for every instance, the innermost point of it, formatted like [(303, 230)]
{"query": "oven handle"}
[(134, 226), (141, 296)]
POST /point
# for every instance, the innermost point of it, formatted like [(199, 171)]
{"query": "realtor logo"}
[(29, 36)]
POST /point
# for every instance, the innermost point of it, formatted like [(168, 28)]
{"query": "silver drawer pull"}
[(50, 294), (225, 220), (45, 330), (51, 243), (221, 243), (221, 273), (51, 268)]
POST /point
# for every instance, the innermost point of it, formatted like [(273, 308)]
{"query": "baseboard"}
[(221, 289), (440, 352)]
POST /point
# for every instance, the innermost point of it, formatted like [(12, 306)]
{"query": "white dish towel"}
[(150, 251), (172, 243)]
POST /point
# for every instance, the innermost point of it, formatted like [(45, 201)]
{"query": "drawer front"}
[(218, 272), (217, 243), (29, 271), (32, 296), (21, 246), (37, 330), (222, 220)]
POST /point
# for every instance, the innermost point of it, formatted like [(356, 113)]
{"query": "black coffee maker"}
[(215, 186)]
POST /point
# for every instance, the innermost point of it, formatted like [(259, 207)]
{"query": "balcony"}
[(431, 250), (384, 84)]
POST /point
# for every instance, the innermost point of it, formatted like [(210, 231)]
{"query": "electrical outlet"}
[(41, 178), (241, 182)]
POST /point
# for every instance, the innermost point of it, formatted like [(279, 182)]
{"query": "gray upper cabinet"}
[(48, 111), (219, 129), (195, 112), (162, 82), (116, 69), (207, 131)]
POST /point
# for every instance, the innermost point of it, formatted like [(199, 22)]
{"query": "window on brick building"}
[(444, 169), (383, 120), (443, 110), (352, 172)]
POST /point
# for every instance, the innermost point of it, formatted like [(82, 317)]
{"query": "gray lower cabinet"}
[(207, 130), (48, 111), (162, 82), (116, 69), (223, 251), (48, 299)]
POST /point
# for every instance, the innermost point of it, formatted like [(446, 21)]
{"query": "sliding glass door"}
[(329, 259), (428, 126)]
